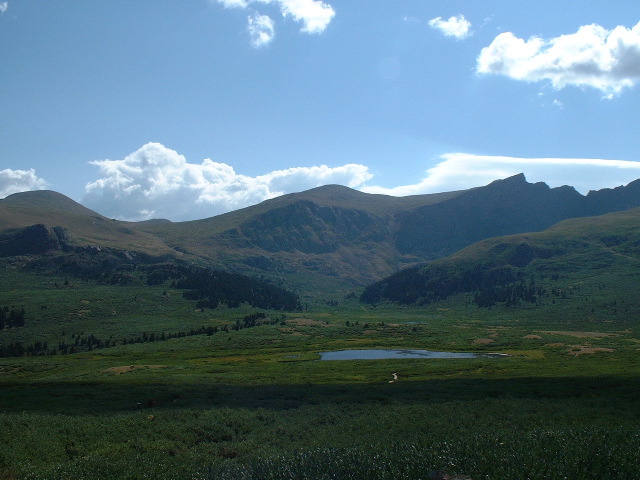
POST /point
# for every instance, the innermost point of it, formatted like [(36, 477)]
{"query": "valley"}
[(127, 367)]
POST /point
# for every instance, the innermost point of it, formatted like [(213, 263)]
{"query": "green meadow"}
[(176, 392)]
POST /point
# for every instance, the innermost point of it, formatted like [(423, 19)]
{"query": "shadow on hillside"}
[(100, 398)]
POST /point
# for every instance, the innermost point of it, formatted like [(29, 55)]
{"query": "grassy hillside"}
[(525, 267), (79, 225)]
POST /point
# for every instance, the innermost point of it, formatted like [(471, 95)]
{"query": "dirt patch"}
[(130, 368), (483, 341), (581, 334), (307, 322), (292, 331), (586, 350), (555, 344), (532, 337)]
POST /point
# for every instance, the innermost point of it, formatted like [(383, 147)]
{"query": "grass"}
[(257, 404)]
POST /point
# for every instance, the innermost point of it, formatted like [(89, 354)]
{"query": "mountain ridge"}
[(329, 234)]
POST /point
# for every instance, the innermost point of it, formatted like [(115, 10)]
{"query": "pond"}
[(370, 354)]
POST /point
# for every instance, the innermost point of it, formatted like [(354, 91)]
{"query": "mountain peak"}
[(515, 180), (41, 199)]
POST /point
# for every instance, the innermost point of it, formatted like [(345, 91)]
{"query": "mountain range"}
[(328, 236)]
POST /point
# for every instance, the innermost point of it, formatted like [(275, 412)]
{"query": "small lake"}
[(386, 354)]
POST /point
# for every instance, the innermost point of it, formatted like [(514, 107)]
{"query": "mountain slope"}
[(337, 232), (38, 221), (325, 237), (503, 207), (494, 267), (332, 232)]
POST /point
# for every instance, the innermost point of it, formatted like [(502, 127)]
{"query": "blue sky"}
[(185, 109)]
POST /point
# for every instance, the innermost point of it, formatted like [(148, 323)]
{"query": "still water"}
[(384, 354)]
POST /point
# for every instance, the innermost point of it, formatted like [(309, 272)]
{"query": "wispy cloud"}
[(608, 60), (457, 26), (4, 6), (458, 171), (157, 182), (261, 29), (15, 181), (314, 15)]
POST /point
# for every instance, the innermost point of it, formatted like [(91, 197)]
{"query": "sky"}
[(186, 109)]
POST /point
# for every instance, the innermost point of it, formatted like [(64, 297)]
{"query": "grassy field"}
[(257, 402)]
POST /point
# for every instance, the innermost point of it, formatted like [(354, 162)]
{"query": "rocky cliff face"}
[(307, 227), (33, 240)]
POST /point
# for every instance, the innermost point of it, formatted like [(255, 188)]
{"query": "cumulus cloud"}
[(608, 60), (4, 6), (314, 15), (458, 171), (157, 182), (261, 30), (457, 27), (15, 181)]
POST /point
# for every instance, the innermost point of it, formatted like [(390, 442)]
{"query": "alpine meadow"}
[(319, 240), (172, 350)]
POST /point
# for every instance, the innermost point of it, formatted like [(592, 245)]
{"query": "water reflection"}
[(379, 354)]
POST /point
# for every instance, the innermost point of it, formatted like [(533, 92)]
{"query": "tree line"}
[(11, 318), (435, 282), (87, 343), (212, 288)]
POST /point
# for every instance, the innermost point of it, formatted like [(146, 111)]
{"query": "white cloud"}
[(261, 30), (314, 15), (458, 171), (232, 3), (4, 6), (457, 27), (15, 181), (608, 60), (157, 182)]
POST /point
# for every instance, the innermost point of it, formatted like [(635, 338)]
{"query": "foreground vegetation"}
[(254, 402)]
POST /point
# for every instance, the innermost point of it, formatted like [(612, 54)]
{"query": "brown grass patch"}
[(532, 337), (307, 322), (483, 341), (587, 350), (581, 334)]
